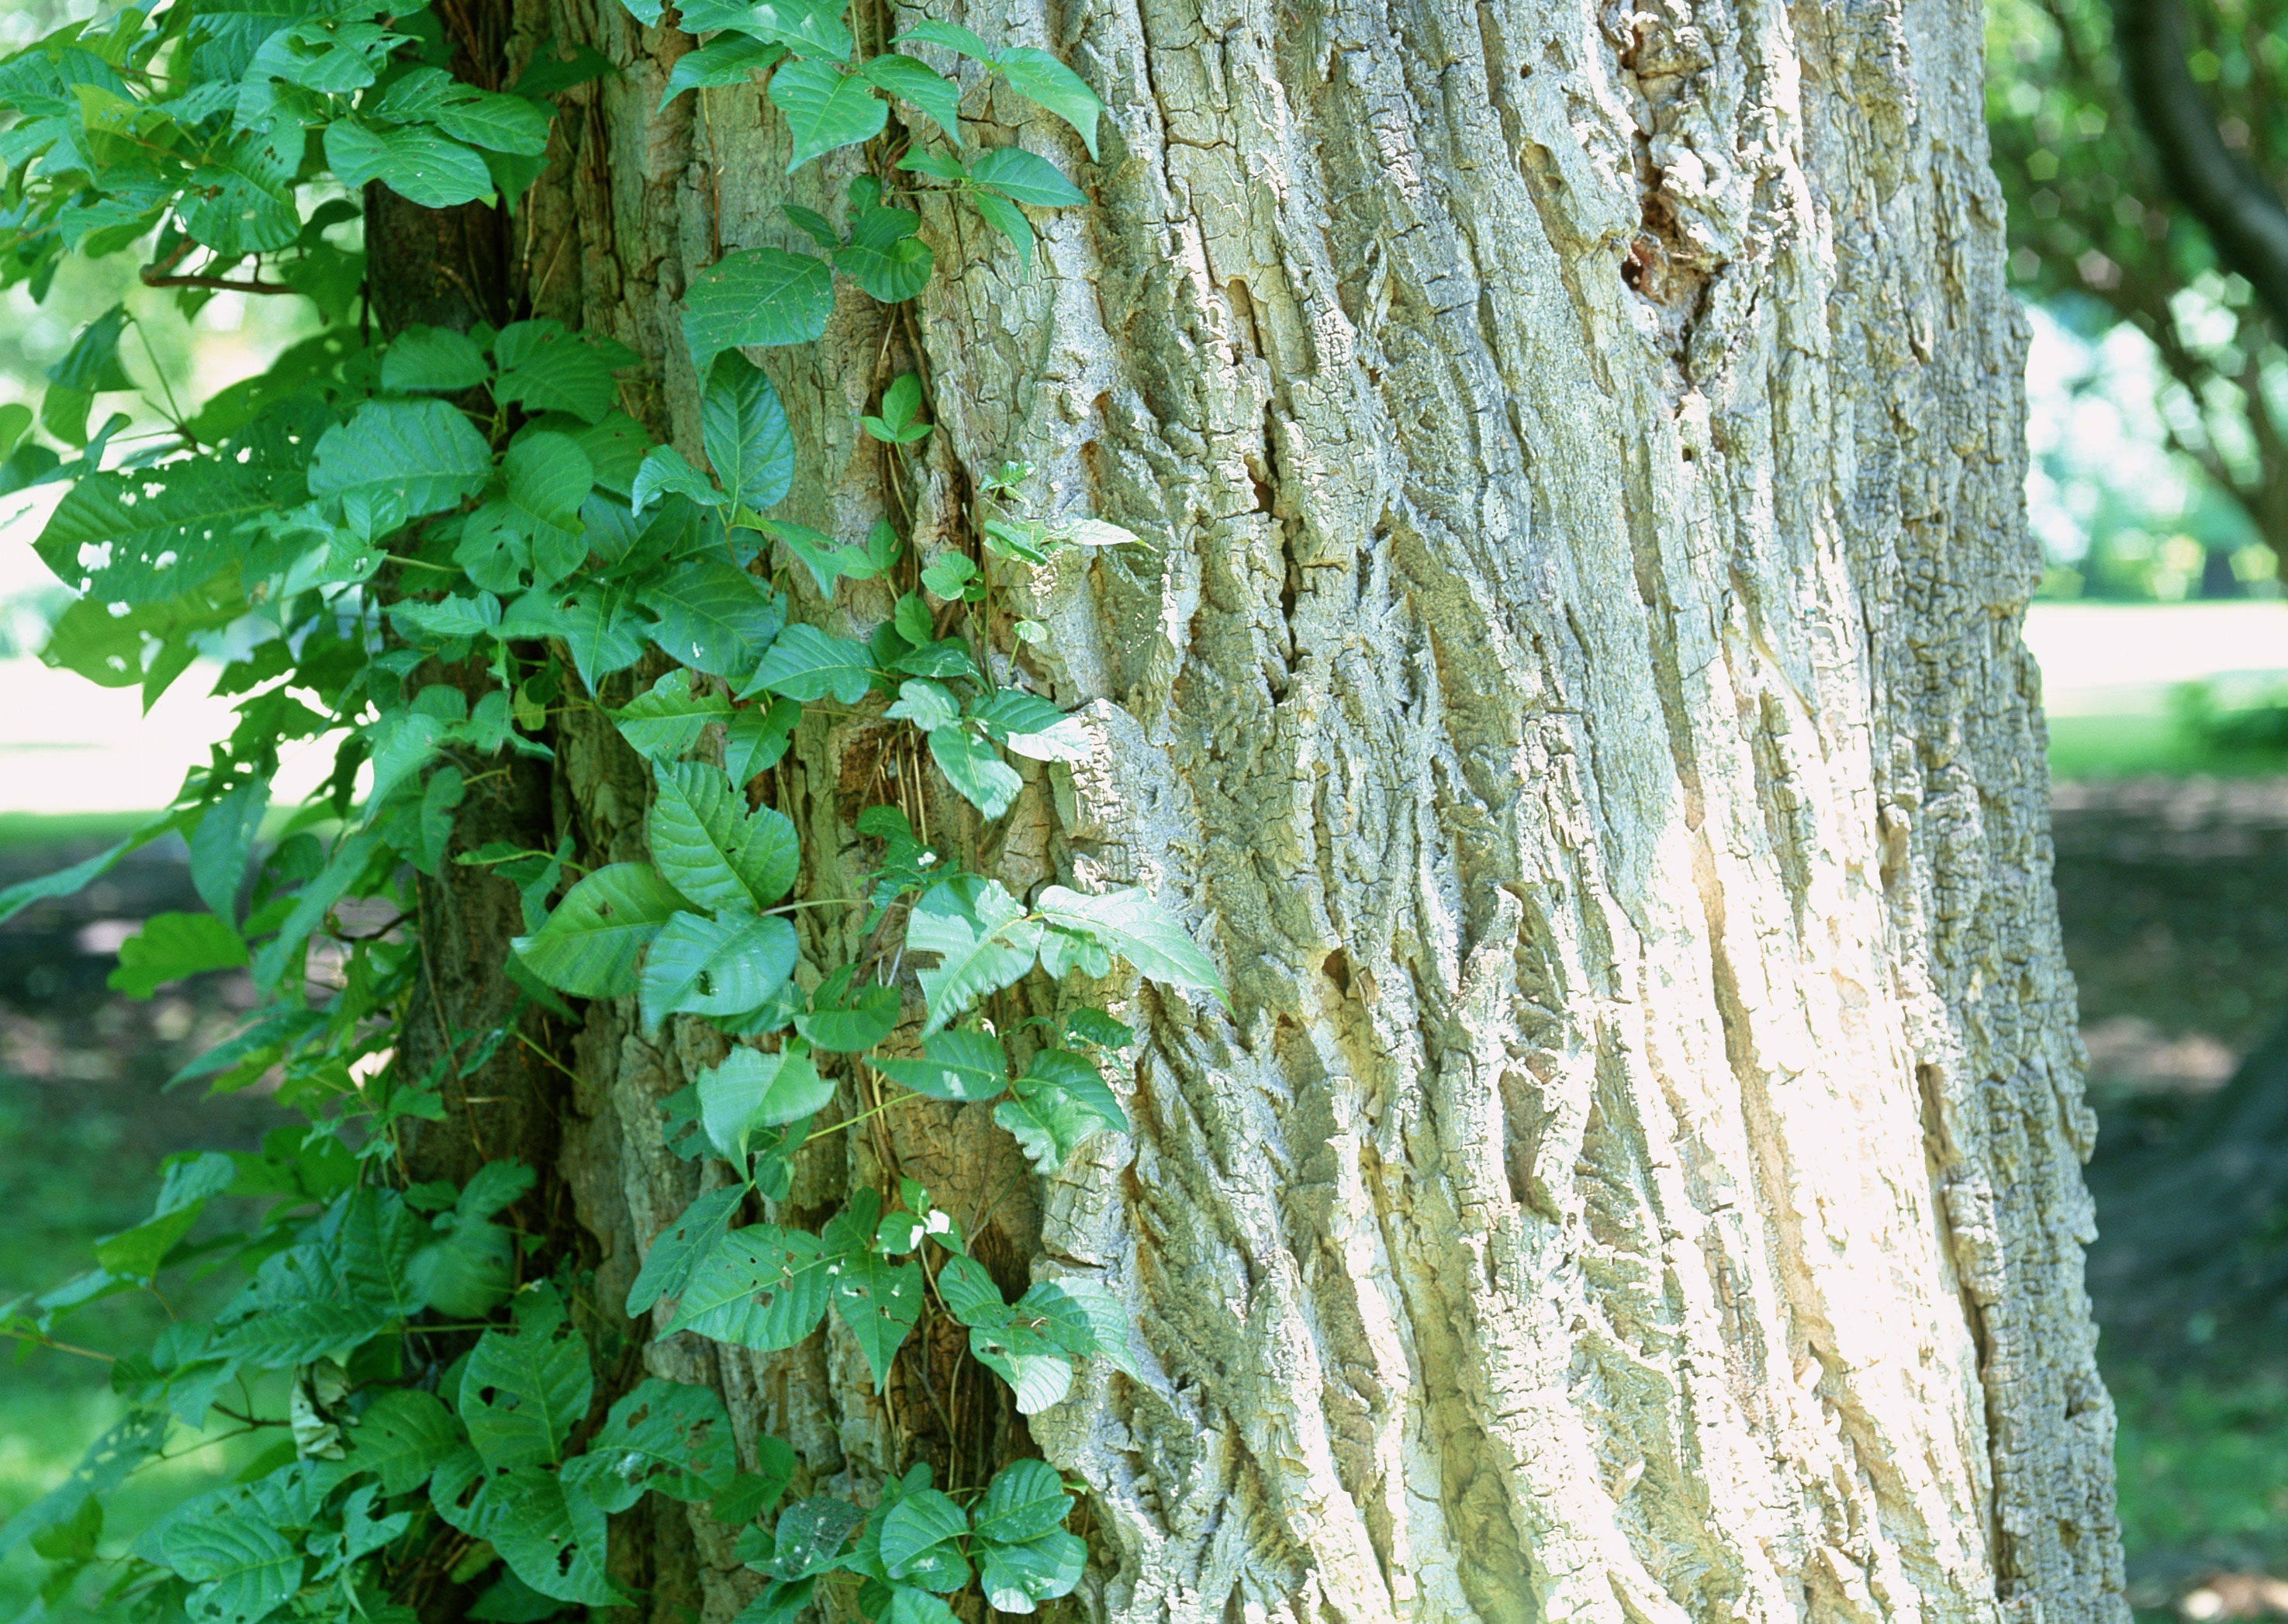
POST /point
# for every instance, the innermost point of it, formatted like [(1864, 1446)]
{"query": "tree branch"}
[(2242, 212), (220, 284)]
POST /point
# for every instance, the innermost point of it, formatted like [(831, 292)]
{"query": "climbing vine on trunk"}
[(431, 545)]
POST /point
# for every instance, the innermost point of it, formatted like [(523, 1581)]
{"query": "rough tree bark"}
[(1574, 690)]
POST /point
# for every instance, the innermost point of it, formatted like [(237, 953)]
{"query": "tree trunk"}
[(1573, 686)]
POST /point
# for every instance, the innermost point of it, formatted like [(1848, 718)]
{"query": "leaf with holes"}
[(591, 942), (676, 1251), (241, 1570), (761, 1288), (982, 938), (523, 1390), (713, 849), (162, 531), (715, 967), (404, 1435), (668, 1436), (881, 1303)]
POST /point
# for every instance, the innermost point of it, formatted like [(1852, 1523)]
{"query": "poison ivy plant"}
[(430, 547)]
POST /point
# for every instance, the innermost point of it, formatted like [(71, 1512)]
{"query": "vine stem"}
[(42, 1340)]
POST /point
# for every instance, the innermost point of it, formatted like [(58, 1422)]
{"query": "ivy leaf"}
[(745, 431), (756, 738), (806, 664), (702, 966), (171, 947), (1040, 78), (416, 162), (496, 123), (713, 616), (949, 574), (91, 365), (448, 620), (664, 472), (827, 561), (731, 59), (1139, 930), (982, 937), (1025, 178), (669, 1436), (1030, 726), (552, 1534), (928, 705), (760, 296), (241, 1569), (960, 1064), (917, 1524), (808, 28), (548, 477), (543, 369), (977, 775), (810, 1536), (751, 1089), (826, 107), (525, 1389), (884, 256), (910, 1606), (676, 1251), (881, 1303), (1026, 1500), (761, 1288), (938, 97), (1048, 1126), (224, 842), (855, 1026), (404, 1435), (710, 848), (240, 199), (1017, 1578), (1005, 218), (667, 718), (422, 451), (1060, 1071), (590, 943)]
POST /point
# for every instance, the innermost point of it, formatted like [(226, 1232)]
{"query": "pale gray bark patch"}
[(1573, 683)]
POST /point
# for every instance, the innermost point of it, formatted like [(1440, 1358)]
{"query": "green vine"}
[(449, 540)]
